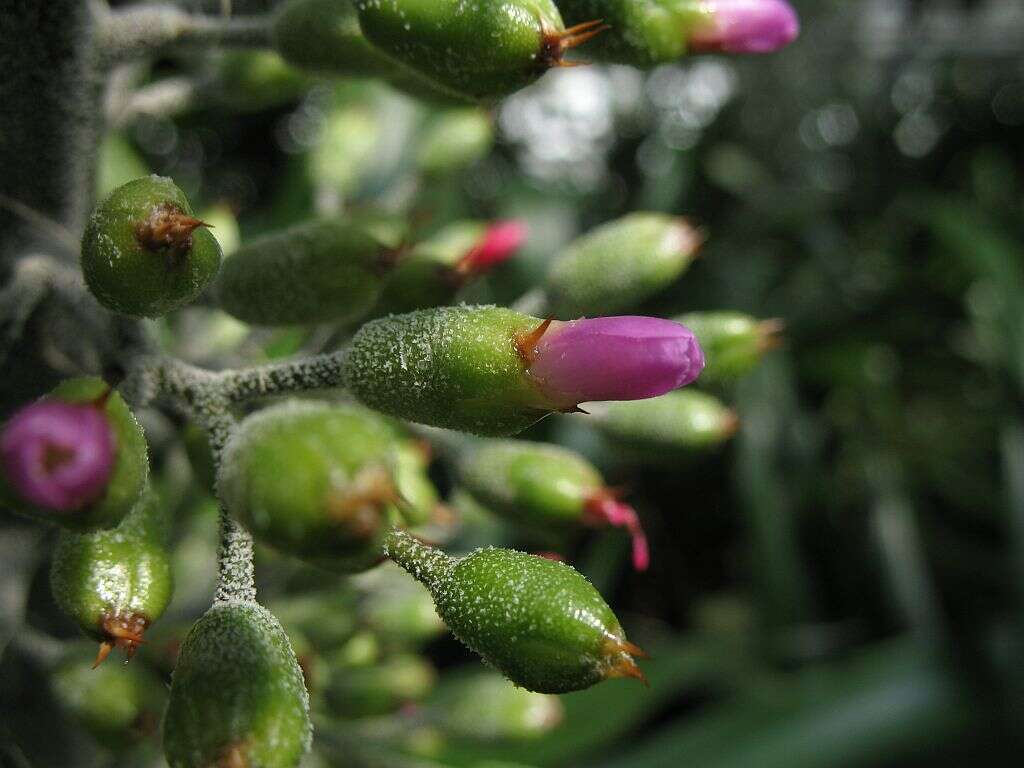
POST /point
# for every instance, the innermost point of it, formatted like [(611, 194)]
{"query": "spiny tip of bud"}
[(555, 43), (358, 506), (526, 343), (123, 632), (620, 655), (167, 229)]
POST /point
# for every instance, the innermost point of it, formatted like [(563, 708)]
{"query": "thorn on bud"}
[(555, 44), (168, 229)]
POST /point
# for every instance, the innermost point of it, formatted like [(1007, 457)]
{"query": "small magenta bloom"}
[(500, 241), (746, 26), (610, 358), (58, 455)]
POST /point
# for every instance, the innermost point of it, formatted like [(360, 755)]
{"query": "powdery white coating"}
[(237, 684)]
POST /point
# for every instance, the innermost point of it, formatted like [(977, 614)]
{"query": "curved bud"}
[(144, 253), (319, 271), (116, 583), (455, 139), (315, 481), (746, 26), (77, 457), (484, 705), (547, 485), (620, 264), (539, 622), (675, 424), (479, 50), (324, 36), (237, 694), (382, 688), (734, 343)]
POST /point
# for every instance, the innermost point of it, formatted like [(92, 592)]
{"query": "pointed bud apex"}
[(539, 622), (612, 358), (500, 241), (58, 456), (746, 26)]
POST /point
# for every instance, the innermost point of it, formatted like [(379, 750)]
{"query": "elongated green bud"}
[(315, 481), (144, 253), (324, 36), (668, 426), (380, 688), (484, 705), (116, 583), (76, 458), (455, 139), (620, 264), (480, 50), (539, 622), (733, 343), (320, 271), (237, 694)]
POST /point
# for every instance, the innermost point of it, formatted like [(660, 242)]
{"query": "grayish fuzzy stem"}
[(428, 565), (148, 29), (312, 373), (168, 97)]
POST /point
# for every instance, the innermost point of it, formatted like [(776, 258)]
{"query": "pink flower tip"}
[(57, 455), (603, 508), (499, 242), (610, 358), (746, 26)]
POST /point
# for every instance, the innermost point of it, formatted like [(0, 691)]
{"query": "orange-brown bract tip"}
[(526, 343), (233, 757), (101, 656), (168, 228), (358, 507), (620, 653), (101, 402), (555, 44), (770, 333), (123, 632), (731, 425)]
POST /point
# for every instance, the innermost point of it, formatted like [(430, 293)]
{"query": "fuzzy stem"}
[(428, 565), (149, 29), (311, 373)]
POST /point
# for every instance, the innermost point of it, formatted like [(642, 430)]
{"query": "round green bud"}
[(144, 253), (116, 583), (452, 367), (486, 706), (479, 50), (315, 481), (669, 426), (380, 688), (254, 81), (453, 140), (128, 475), (537, 621), (324, 36), (237, 694), (533, 483), (320, 271), (733, 343), (119, 706), (620, 264), (643, 33)]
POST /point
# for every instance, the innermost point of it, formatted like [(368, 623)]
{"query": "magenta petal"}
[(58, 455), (499, 242), (614, 358), (747, 26)]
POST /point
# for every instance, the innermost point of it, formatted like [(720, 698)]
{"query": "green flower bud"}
[(454, 367), (479, 50), (324, 36), (398, 609), (237, 694), (115, 583), (453, 140), (316, 481), (144, 253), (620, 264), (118, 706), (381, 688), (253, 81), (537, 621), (485, 706), (128, 474), (733, 343), (316, 272), (669, 426)]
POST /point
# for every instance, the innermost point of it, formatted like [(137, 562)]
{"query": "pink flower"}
[(746, 26), (499, 242), (58, 455)]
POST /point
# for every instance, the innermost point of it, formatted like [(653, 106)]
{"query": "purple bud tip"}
[(612, 358), (746, 26), (500, 241), (58, 455)]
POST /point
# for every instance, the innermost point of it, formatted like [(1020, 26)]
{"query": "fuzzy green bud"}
[(320, 271), (116, 583), (485, 706), (237, 694), (669, 426), (733, 343), (539, 622), (479, 50), (127, 475), (315, 481), (620, 264), (144, 253), (380, 688)]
